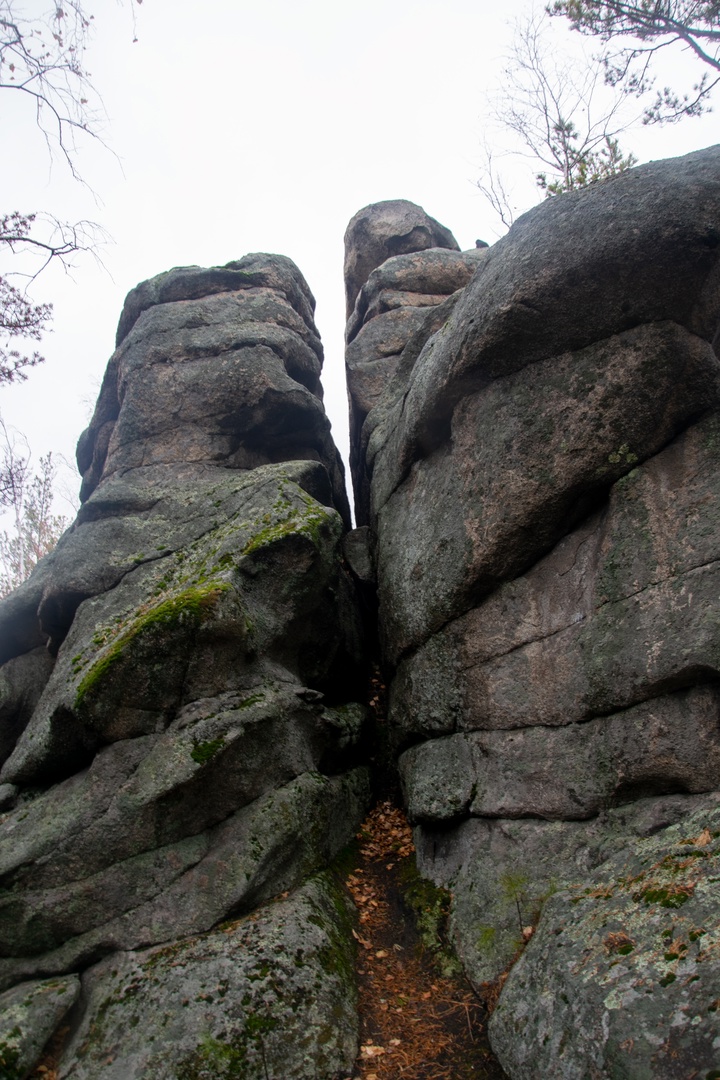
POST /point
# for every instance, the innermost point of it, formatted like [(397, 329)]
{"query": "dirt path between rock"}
[(420, 1020)]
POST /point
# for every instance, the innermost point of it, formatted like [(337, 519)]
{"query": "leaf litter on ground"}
[(416, 1024)]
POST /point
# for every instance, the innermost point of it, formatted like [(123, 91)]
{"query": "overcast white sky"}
[(260, 126)]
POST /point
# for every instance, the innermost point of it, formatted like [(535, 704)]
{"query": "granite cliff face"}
[(542, 472), (535, 435)]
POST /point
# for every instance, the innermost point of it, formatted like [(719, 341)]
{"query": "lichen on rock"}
[(267, 995), (622, 977)]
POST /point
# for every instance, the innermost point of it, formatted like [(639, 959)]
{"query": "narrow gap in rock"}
[(420, 1018)]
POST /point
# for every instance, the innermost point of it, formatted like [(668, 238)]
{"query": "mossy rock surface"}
[(268, 995), (59, 917), (187, 760), (503, 872), (253, 580)]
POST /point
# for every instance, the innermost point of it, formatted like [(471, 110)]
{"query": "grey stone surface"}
[(555, 437), (219, 365), (22, 681), (248, 584), (29, 1015), (393, 307), (420, 278), (379, 385), (269, 995), (666, 745), (180, 885), (372, 356), (180, 695), (252, 272), (622, 978), (623, 608), (8, 795), (203, 668), (382, 230), (540, 475), (502, 872), (642, 248), (357, 552)]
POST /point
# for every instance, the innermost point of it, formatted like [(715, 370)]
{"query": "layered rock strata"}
[(543, 497), (185, 747)]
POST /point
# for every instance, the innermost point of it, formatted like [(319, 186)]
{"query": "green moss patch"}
[(665, 897), (308, 522), (213, 1058), (10, 1059), (430, 906), (189, 608), (202, 752)]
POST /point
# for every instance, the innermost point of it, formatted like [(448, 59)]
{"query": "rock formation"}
[(186, 746), (541, 473), (535, 435), (401, 266)]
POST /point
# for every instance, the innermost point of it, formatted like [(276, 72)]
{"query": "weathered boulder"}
[(622, 977), (381, 230), (554, 439), (159, 888), (400, 264), (215, 370), (218, 365), (668, 744), (421, 278), (268, 995), (248, 580), (188, 745), (641, 248), (373, 382), (564, 690), (621, 610), (502, 871)]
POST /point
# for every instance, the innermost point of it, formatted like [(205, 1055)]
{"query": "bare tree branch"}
[(29, 497), (493, 186), (42, 60), (560, 115)]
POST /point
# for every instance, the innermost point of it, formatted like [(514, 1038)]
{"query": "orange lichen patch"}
[(415, 1025)]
